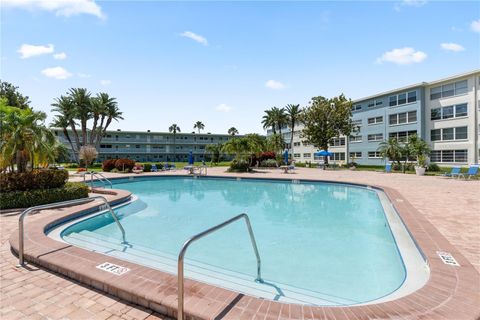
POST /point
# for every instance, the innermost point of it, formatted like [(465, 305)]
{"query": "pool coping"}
[(450, 293)]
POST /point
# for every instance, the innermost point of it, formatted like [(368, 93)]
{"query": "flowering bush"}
[(124, 164)]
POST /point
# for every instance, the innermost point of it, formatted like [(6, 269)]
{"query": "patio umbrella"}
[(323, 153), (285, 154), (190, 158)]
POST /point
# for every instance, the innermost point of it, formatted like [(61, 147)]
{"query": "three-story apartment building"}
[(445, 113)]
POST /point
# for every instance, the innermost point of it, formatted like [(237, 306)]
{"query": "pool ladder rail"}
[(55, 205), (99, 176), (183, 251)]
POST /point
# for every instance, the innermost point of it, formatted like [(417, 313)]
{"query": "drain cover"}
[(113, 268), (447, 258)]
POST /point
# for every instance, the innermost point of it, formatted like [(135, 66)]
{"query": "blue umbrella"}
[(323, 153), (285, 154), (190, 158)]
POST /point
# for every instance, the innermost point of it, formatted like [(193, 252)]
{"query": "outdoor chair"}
[(472, 172), (452, 174)]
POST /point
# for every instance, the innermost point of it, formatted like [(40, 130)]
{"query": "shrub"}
[(147, 167), (108, 165), (159, 166), (300, 164), (115, 170), (124, 164), (96, 165), (72, 165), (239, 166), (433, 167), (87, 154), (270, 163), (29, 198), (36, 179)]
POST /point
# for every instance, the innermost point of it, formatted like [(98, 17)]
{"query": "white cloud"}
[(223, 108), (56, 73), (64, 8), (84, 75), (195, 37), (60, 56), (475, 25), (403, 56), (452, 47), (31, 50), (105, 82), (409, 3), (274, 84)]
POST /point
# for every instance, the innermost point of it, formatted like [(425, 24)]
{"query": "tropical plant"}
[(233, 131), (391, 150), (199, 126), (88, 154), (12, 96), (79, 105), (214, 149), (174, 129), (275, 118), (293, 116), (418, 148), (275, 143), (237, 146), (24, 138), (325, 119)]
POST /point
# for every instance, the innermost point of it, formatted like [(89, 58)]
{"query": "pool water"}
[(320, 243)]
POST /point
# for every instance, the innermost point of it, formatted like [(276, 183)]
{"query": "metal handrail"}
[(102, 178), (21, 261), (196, 237)]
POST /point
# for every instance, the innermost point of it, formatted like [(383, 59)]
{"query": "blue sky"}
[(224, 63)]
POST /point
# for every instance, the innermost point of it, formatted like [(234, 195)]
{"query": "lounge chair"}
[(452, 174), (472, 172), (154, 168)]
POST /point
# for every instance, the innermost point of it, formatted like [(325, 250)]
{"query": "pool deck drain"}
[(451, 292)]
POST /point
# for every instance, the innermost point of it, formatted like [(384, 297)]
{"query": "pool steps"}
[(199, 271)]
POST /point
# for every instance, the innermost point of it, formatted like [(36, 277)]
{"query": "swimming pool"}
[(320, 243)]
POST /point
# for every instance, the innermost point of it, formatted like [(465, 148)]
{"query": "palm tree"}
[(25, 138), (60, 121), (279, 118), (174, 129), (293, 115), (390, 149), (214, 149), (111, 112), (66, 109), (199, 126), (82, 103), (275, 143), (237, 146), (232, 131), (268, 121)]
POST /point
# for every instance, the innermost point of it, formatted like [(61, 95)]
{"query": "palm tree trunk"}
[(94, 130), (291, 138), (67, 136), (84, 132)]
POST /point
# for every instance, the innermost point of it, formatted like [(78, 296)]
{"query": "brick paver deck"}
[(452, 206)]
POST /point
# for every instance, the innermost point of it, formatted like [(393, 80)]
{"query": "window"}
[(436, 134), (337, 142), (374, 155), (412, 96), (392, 101), (378, 103), (448, 134), (402, 118), (448, 112), (461, 110), (307, 155), (296, 144), (375, 120), (338, 156), (461, 133), (449, 156), (371, 104), (355, 139), (402, 135), (402, 98), (356, 155), (449, 89), (356, 107), (106, 146), (296, 155), (375, 137), (357, 123)]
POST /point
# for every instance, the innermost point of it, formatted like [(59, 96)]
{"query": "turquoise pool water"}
[(320, 243)]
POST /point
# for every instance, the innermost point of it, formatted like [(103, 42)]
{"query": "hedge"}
[(30, 198), (35, 179)]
